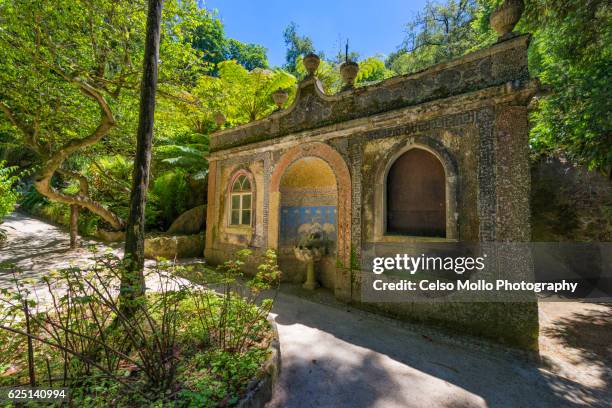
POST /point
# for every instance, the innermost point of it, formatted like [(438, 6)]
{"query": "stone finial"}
[(348, 71), (506, 16), (311, 62), (280, 96), (219, 119)]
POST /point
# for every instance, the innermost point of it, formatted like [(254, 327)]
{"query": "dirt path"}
[(335, 356), (36, 248)]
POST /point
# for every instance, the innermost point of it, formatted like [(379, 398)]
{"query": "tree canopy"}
[(74, 69), (570, 53), (209, 38), (297, 47), (70, 71)]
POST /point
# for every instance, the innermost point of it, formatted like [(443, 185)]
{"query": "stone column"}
[(512, 225), (513, 179)]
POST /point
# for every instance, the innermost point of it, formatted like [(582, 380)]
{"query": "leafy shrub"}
[(172, 191), (184, 345), (189, 157), (32, 201), (8, 194)]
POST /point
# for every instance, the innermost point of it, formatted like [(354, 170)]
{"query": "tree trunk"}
[(132, 279), (52, 161), (74, 225)]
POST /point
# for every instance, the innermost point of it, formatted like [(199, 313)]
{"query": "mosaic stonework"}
[(470, 113), (297, 221)]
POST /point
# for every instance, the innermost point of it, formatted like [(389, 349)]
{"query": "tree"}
[(241, 95), (132, 278), (209, 38), (439, 33), (68, 82), (372, 69), (297, 46), (8, 195), (250, 56), (571, 53)]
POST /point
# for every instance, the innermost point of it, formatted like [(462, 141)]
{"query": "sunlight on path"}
[(336, 356), (37, 248)]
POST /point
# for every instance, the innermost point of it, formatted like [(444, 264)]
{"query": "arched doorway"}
[(308, 203), (416, 195)]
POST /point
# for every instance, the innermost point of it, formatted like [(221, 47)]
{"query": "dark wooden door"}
[(416, 195)]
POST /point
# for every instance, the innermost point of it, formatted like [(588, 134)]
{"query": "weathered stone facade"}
[(469, 113)]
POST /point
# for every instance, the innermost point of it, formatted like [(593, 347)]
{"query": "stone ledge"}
[(261, 388), (501, 63)]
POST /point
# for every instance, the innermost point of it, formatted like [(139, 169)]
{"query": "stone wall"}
[(469, 113), (569, 203)]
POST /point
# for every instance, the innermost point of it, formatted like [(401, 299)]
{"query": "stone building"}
[(432, 157)]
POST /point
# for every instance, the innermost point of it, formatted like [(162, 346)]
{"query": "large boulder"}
[(174, 246), (190, 222), (111, 236)]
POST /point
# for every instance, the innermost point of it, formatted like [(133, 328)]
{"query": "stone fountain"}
[(310, 249)]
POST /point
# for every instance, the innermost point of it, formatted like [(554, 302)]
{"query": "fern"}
[(8, 193)]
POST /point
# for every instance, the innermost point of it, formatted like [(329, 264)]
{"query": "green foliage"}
[(328, 73), (31, 200), (571, 53), (8, 194), (441, 32), (69, 79), (221, 376), (171, 191), (250, 56), (372, 69), (297, 46), (43, 68), (241, 95), (182, 156), (209, 38), (106, 56), (110, 181), (185, 346), (190, 157)]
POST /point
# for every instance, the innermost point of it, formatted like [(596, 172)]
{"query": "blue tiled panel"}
[(292, 217)]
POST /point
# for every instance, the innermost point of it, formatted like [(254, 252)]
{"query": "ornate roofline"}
[(503, 62)]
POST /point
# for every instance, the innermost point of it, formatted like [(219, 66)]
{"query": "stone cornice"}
[(502, 63), (419, 118)]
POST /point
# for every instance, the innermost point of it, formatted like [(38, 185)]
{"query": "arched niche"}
[(416, 195), (413, 165), (343, 188)]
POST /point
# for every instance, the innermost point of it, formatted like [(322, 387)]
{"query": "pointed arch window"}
[(241, 199)]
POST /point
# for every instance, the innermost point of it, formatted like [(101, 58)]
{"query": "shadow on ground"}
[(336, 356), (342, 357), (575, 339)]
